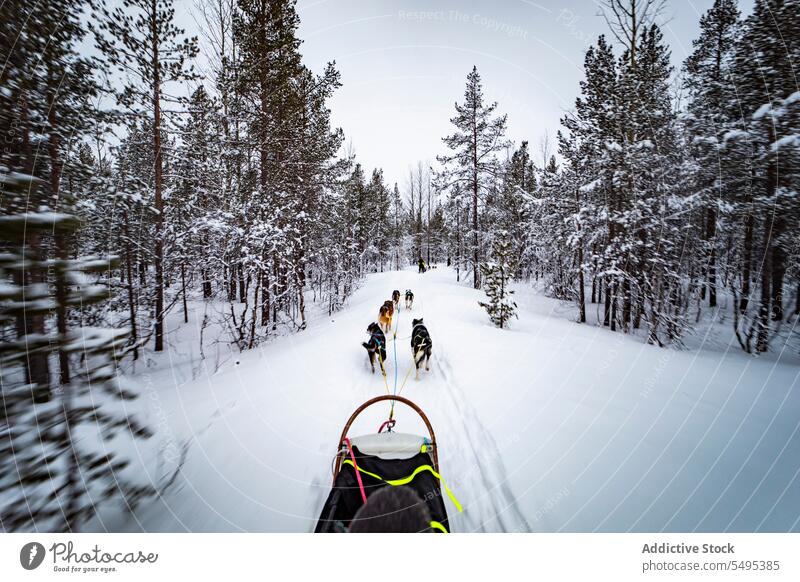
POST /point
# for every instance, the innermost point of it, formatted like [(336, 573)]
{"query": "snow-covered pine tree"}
[(472, 164), (316, 171), (398, 220), (378, 210), (512, 207), (128, 206), (143, 44), (417, 179), (765, 137), (657, 286), (591, 147), (709, 116), (46, 92), (49, 478), (436, 233), (194, 220), (270, 64), (498, 274)]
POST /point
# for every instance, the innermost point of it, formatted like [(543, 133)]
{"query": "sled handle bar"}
[(342, 451)]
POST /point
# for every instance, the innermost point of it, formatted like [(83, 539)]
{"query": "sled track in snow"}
[(497, 501)]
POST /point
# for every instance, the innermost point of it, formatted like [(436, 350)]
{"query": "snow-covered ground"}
[(548, 426)]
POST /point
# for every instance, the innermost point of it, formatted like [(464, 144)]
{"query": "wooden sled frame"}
[(342, 450)]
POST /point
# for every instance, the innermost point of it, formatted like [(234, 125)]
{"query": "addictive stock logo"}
[(31, 555)]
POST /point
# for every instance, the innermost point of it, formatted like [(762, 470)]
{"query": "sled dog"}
[(409, 299), (421, 344), (385, 315), (375, 346)]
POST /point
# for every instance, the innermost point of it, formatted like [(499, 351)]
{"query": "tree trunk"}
[(37, 365), (747, 260), (159, 203), (762, 339), (207, 290), (254, 316), (61, 244), (778, 269), (581, 290), (458, 243), (131, 296), (626, 304), (183, 293), (242, 284), (476, 278), (711, 230), (770, 228), (265, 299), (613, 294), (301, 286)]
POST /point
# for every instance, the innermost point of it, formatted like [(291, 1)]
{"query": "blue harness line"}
[(394, 344)]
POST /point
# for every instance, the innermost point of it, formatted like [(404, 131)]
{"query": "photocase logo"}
[(31, 555)]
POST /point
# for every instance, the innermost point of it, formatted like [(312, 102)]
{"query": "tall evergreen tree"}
[(141, 41), (49, 478), (767, 129), (709, 116), (472, 166)]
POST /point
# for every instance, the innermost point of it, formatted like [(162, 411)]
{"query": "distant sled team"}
[(421, 343)]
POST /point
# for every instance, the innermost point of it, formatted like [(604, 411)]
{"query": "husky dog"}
[(375, 346), (421, 344), (396, 299), (385, 315), (409, 299)]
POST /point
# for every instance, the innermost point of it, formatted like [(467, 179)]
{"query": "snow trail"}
[(542, 427)]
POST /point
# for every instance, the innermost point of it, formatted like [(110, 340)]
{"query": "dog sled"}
[(367, 464)]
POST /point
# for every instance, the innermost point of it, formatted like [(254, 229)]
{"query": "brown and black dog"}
[(376, 346), (385, 315), (396, 299)]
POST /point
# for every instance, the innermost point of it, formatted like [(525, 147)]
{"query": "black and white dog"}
[(409, 298), (375, 346), (421, 344)]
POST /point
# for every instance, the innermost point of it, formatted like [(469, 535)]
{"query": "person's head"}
[(392, 510)]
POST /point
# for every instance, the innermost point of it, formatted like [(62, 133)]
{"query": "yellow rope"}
[(411, 367), (410, 478)]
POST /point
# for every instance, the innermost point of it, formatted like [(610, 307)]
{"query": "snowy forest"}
[(136, 190)]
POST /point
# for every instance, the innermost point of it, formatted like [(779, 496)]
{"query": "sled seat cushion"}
[(391, 445)]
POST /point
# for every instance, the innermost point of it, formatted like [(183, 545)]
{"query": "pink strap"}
[(355, 468)]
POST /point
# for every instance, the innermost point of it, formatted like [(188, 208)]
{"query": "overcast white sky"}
[(404, 64)]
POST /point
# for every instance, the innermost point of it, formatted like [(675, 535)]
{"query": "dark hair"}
[(392, 510)]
